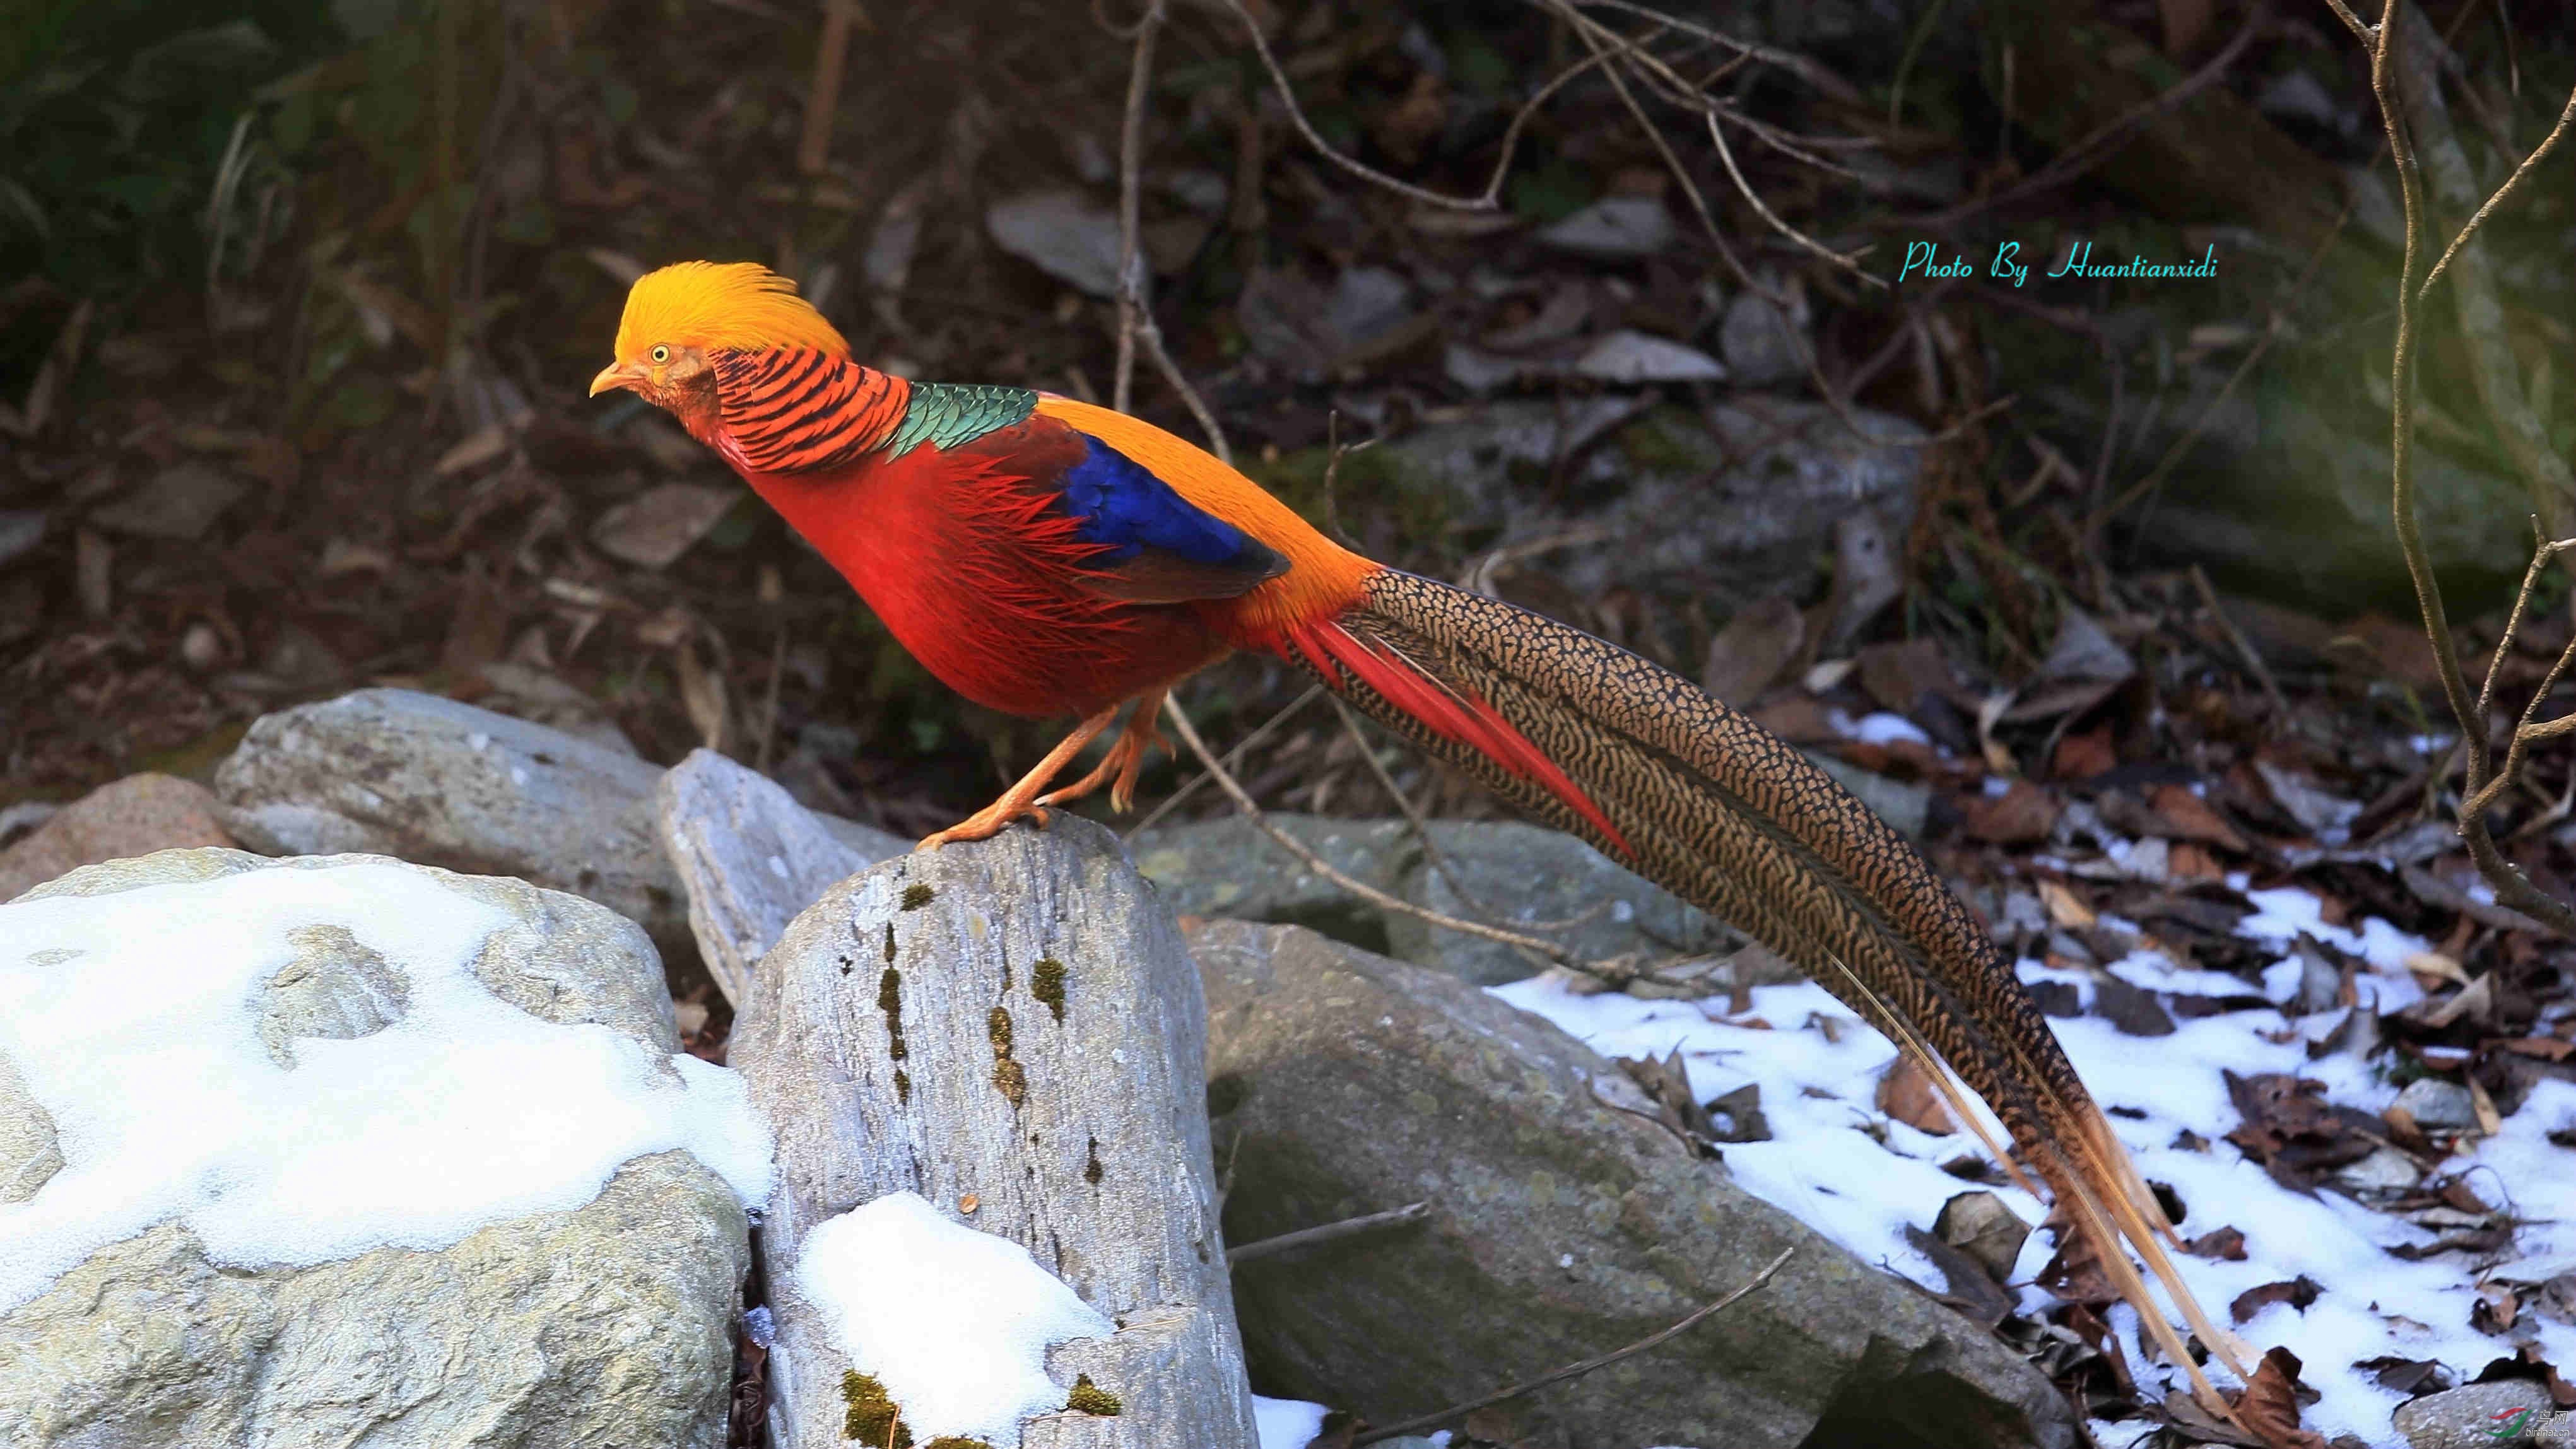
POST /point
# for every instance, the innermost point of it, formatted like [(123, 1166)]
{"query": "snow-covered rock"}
[(1011, 1034), (1563, 1221), (429, 780), (343, 1150)]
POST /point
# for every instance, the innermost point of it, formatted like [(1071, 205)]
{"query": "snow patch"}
[(134, 1021), (955, 1323), (1818, 1069)]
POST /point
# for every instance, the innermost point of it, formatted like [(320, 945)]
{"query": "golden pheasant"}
[(1045, 557)]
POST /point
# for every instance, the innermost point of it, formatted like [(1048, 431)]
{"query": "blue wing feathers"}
[(1122, 506)]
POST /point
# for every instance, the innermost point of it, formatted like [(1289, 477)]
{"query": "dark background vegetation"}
[(311, 248)]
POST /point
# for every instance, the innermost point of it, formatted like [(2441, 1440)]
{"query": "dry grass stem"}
[(1328, 1232)]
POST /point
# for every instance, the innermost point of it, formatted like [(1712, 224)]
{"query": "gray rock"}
[(179, 503), (1015, 1024), (1345, 1083), (1514, 875), (1762, 344), (1628, 356), (1723, 505), (2468, 1417), (751, 858), (21, 529), (610, 1323), (1066, 236), (29, 1154), (426, 779), (1615, 228), (1908, 807), (337, 988), (2439, 1106)]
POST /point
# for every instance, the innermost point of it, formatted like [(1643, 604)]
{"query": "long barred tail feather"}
[(1701, 800)]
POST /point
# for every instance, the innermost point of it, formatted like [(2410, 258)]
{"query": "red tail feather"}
[(1449, 711)]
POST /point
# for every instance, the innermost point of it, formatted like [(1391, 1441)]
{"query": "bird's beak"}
[(615, 375)]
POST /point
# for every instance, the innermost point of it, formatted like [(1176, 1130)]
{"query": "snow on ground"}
[(134, 1021), (955, 1323), (1286, 1423), (1824, 1165)]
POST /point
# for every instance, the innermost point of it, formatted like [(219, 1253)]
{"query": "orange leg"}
[(1022, 798), (1125, 760)]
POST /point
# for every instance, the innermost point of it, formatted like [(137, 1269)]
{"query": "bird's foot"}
[(1125, 761), (986, 823)]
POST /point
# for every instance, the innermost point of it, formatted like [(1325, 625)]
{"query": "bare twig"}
[(1413, 817), (823, 100), (1328, 1232), (2443, 164), (2244, 647), (2512, 888), (2098, 145), (1251, 811), (1487, 201), (1131, 173), (2525, 732), (1575, 1370), (1233, 758)]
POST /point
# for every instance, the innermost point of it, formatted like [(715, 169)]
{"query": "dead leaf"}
[(2187, 861), (2298, 1292), (473, 451), (2270, 1404), (93, 570), (702, 693), (1898, 675), (2225, 1244), (2022, 815), (2129, 1009), (654, 528), (2063, 908), (1907, 1094), (1760, 641), (2189, 817), (1981, 1226), (2081, 757)]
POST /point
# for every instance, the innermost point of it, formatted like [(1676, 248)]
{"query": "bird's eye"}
[(661, 354)]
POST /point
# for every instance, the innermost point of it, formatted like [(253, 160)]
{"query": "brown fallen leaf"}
[(2189, 817), (2022, 815), (2298, 1292), (2270, 1404), (1762, 639), (1908, 1095), (2081, 757), (2226, 1244)]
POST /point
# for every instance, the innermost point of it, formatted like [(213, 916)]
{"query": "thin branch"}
[(1233, 758), (2512, 888), (1488, 201), (1813, 72), (2104, 140), (2447, 175), (1251, 811), (1849, 262), (1431, 850), (1328, 1232), (1131, 172), (2525, 733), (1152, 334), (1575, 1370), (2244, 647), (2530, 164)]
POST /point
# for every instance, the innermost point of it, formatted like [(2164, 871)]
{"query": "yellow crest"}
[(713, 306)]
